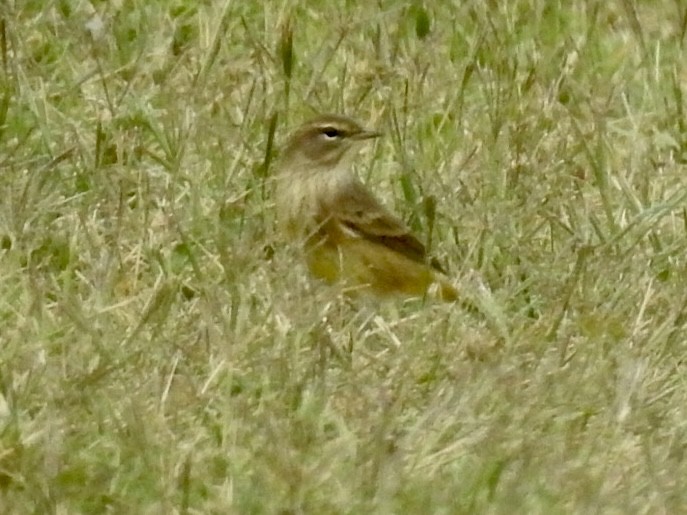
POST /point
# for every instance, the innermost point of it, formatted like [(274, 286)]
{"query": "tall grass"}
[(162, 351)]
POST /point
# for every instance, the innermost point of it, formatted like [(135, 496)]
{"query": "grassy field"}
[(161, 351)]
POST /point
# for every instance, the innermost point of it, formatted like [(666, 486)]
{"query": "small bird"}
[(349, 237)]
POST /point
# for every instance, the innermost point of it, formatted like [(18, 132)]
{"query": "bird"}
[(348, 236)]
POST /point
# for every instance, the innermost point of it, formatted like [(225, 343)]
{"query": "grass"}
[(162, 351)]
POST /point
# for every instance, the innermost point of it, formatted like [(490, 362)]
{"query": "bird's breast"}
[(305, 201)]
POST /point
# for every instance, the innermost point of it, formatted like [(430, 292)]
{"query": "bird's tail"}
[(443, 290)]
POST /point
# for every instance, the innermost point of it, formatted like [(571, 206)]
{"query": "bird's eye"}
[(331, 132)]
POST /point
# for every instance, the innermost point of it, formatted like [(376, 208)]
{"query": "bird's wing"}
[(360, 213)]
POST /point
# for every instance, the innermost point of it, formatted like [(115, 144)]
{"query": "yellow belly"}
[(364, 266)]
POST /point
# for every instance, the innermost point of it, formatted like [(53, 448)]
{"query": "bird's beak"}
[(365, 134)]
